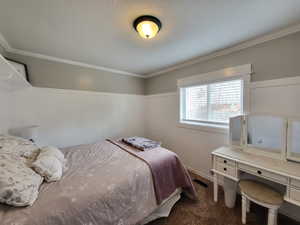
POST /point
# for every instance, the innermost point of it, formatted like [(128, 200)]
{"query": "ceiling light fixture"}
[(147, 26)]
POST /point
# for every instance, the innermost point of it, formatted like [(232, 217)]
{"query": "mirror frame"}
[(289, 140), (234, 143)]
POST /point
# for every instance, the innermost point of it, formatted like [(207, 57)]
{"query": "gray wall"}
[(271, 60), (45, 73)]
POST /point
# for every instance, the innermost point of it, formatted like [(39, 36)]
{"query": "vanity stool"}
[(262, 195)]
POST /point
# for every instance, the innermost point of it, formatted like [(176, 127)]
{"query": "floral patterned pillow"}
[(19, 147), (19, 184)]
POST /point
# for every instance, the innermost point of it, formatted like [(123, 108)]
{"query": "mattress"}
[(102, 184)]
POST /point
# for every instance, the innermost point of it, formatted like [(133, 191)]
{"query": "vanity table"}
[(265, 146), (229, 162)]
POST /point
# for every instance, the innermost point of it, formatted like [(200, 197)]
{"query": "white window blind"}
[(212, 103)]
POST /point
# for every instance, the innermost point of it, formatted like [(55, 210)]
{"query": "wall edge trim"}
[(73, 91), (162, 94), (288, 81)]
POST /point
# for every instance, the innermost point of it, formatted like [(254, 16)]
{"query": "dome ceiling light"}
[(147, 26)]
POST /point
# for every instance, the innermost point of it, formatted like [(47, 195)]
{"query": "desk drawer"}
[(226, 169), (263, 173), (295, 194), (225, 162), (295, 183)]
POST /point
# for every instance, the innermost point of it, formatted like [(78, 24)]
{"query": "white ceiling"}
[(100, 32)]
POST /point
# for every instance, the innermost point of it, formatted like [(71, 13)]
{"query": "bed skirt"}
[(164, 209)]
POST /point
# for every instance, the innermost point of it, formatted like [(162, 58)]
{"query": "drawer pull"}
[(259, 172), (225, 161), (225, 169)]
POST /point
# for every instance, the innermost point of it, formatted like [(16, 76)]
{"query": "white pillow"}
[(49, 163), (52, 151), (48, 167)]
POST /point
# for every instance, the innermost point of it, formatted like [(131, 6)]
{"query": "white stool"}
[(262, 195)]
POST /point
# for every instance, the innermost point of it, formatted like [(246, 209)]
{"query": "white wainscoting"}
[(194, 146), (69, 117)]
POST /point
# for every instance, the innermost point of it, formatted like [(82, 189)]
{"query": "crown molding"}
[(4, 43), (244, 45)]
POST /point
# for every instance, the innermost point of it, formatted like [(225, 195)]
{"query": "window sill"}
[(214, 128)]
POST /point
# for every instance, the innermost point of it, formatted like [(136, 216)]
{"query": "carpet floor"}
[(207, 212)]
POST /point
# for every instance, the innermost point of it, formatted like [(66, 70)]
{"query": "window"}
[(213, 103), (213, 98)]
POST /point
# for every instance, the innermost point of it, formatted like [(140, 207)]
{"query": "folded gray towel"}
[(141, 143)]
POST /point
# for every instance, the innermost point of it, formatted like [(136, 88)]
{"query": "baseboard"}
[(204, 175), (199, 173)]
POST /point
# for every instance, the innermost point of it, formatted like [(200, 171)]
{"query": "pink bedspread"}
[(102, 185), (167, 171)]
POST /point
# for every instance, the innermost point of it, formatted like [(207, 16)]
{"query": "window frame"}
[(233, 73)]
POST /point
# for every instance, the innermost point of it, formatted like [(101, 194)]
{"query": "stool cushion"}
[(260, 192)]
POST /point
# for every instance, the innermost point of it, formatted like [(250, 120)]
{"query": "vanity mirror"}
[(266, 134)]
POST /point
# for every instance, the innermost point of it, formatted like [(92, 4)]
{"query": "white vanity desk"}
[(230, 161)]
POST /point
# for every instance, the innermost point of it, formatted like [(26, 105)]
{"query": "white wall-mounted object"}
[(10, 78), (293, 140)]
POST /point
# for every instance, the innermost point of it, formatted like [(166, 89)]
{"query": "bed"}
[(102, 184)]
